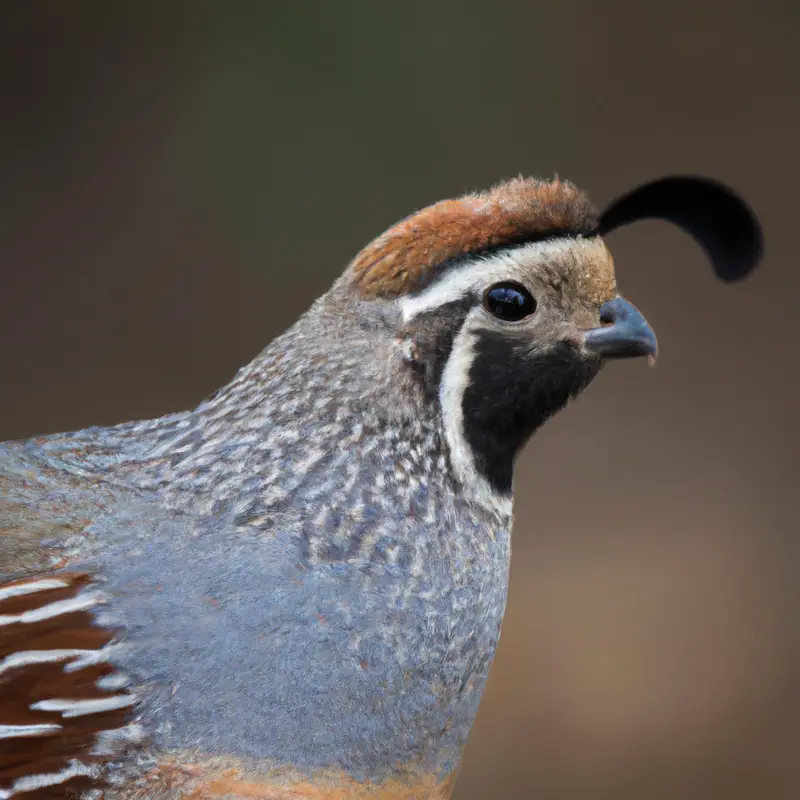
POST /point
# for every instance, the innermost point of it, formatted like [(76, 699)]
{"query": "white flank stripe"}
[(79, 708), (38, 657), (91, 658), (53, 609), (28, 783), (112, 683), (30, 588), (19, 731)]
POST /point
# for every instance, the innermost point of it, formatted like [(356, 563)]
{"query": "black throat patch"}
[(511, 393)]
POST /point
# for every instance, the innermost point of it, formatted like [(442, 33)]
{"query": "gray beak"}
[(625, 333)]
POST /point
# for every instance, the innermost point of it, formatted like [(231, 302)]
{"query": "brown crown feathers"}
[(410, 254)]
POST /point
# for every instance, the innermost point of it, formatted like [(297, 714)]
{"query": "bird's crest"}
[(410, 254)]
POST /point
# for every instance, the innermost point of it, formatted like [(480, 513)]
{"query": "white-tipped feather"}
[(92, 657), (112, 683), (25, 657), (21, 731), (28, 783), (29, 588), (69, 606), (80, 708)]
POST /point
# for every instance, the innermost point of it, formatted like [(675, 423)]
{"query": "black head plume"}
[(712, 213)]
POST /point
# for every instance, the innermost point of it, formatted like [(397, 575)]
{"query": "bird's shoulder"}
[(64, 707), (47, 502)]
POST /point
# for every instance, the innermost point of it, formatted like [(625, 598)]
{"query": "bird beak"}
[(624, 333)]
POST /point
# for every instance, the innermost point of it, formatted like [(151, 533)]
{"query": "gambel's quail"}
[(295, 589)]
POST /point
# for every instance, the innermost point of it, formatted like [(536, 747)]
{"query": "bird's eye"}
[(509, 301)]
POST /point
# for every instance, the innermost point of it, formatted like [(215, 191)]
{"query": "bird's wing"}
[(62, 704), (64, 707)]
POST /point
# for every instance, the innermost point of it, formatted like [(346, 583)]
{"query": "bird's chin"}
[(586, 369), (499, 418)]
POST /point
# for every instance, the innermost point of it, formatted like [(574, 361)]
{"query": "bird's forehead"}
[(583, 272)]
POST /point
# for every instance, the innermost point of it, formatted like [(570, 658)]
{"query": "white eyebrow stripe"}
[(483, 270)]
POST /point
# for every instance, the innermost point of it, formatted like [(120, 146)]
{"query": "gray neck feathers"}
[(356, 588), (329, 392), (329, 378)]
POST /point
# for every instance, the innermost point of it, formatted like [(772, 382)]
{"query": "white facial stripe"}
[(453, 286), (455, 378), (476, 275)]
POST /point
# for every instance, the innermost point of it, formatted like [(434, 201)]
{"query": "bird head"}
[(504, 304)]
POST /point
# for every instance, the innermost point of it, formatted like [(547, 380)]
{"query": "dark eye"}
[(509, 301)]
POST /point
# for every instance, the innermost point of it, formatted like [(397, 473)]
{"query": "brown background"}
[(180, 180)]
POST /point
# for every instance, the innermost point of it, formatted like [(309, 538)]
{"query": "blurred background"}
[(180, 180)]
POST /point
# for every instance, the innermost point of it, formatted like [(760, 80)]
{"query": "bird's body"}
[(328, 589), (296, 589)]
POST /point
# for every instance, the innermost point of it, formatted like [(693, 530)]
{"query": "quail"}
[(296, 589)]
